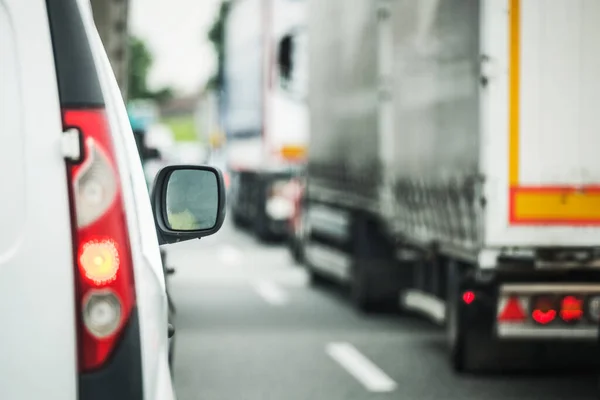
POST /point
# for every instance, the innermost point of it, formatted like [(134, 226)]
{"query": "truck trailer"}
[(453, 167), (264, 109)]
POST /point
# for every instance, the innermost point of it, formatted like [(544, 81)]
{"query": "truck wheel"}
[(455, 331), (315, 279), (376, 276), (261, 228), (261, 220), (361, 290), (237, 220)]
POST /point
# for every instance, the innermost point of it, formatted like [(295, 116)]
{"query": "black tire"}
[(238, 221), (361, 290), (316, 279), (261, 220), (455, 330), (261, 228), (376, 276)]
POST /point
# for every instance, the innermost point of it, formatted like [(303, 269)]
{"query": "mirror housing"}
[(159, 199)]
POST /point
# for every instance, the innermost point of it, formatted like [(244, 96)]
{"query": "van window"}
[(78, 83)]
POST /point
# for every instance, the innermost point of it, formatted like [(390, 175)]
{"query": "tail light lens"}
[(468, 297), (543, 309), (512, 311), (571, 309), (104, 276)]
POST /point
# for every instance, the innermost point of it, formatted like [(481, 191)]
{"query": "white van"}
[(82, 290)]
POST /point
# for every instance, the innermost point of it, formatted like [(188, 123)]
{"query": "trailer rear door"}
[(541, 122)]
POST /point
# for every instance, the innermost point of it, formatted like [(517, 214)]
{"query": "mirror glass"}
[(192, 200)]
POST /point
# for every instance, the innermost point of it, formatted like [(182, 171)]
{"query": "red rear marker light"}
[(512, 312), (571, 309), (543, 310), (468, 297), (104, 275)]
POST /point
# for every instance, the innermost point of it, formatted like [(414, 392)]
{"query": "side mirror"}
[(188, 202)]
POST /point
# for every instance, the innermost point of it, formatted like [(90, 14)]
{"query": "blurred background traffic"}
[(355, 138)]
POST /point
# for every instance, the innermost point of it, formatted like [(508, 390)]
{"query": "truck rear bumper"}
[(528, 333), (483, 304)]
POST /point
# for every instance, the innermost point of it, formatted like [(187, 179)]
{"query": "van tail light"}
[(105, 290)]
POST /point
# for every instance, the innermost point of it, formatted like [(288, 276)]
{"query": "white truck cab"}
[(84, 312)]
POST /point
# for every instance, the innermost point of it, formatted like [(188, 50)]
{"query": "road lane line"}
[(360, 367), (271, 293), (230, 255)]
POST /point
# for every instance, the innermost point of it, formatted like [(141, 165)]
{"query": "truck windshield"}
[(294, 74)]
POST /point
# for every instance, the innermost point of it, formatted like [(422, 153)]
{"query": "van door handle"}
[(171, 331)]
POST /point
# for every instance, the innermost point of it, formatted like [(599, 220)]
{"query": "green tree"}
[(140, 62), (216, 35)]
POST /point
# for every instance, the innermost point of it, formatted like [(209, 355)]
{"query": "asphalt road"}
[(249, 328)]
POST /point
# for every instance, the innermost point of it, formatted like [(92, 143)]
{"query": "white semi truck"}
[(264, 109), (453, 165)]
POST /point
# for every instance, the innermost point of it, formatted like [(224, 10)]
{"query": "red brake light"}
[(513, 312), (543, 310), (104, 275), (543, 317)]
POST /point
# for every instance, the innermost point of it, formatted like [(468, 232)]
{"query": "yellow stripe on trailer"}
[(514, 89)]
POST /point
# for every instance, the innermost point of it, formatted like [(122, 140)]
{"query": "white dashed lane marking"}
[(271, 293), (360, 367), (230, 255)]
